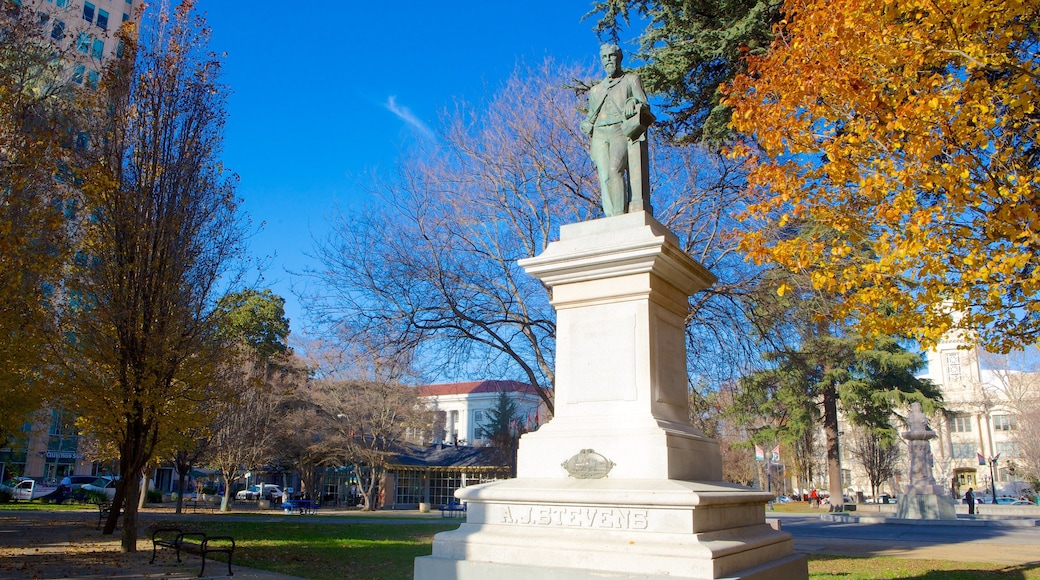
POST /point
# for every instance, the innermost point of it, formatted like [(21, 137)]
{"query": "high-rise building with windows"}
[(49, 446), (87, 26)]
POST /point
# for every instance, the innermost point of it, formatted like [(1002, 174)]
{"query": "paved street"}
[(998, 543)]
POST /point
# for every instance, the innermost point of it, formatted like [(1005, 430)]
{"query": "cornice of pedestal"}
[(624, 245)]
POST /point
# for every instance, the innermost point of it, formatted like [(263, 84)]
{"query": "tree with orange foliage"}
[(894, 159)]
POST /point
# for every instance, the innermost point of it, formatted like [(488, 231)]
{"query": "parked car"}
[(1006, 500), (103, 485), (26, 488), (271, 492), (783, 499), (1022, 502), (77, 481)]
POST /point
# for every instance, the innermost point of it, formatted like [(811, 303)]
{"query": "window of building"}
[(1006, 449), (98, 49), (63, 4), (443, 485), (58, 32), (409, 487), (92, 78), (963, 450), (1003, 422), (953, 365), (83, 43), (88, 12), (960, 423), (77, 73), (102, 19), (126, 17), (478, 425)]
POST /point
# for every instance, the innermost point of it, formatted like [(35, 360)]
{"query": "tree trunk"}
[(133, 489), (830, 429), (143, 495), (181, 478)]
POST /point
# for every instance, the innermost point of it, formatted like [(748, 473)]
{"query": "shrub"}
[(96, 496), (153, 496)]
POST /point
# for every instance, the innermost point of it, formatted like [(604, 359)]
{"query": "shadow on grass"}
[(824, 567)]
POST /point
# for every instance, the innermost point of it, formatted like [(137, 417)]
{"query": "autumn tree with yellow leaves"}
[(159, 233), (894, 159), (36, 104)]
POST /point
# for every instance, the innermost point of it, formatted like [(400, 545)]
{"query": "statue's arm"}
[(590, 116), (637, 91)]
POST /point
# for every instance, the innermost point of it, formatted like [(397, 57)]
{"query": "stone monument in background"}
[(924, 499), (619, 484)]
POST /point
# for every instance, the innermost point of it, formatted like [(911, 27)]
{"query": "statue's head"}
[(610, 55)]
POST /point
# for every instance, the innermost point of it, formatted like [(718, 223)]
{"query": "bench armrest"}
[(166, 532), (200, 536), (221, 541)]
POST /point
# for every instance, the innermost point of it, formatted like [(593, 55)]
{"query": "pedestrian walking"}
[(969, 497)]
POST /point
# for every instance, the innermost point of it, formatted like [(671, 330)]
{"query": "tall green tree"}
[(502, 428), (690, 48), (159, 233), (819, 369), (255, 318)]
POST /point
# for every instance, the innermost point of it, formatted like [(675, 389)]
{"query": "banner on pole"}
[(759, 453)]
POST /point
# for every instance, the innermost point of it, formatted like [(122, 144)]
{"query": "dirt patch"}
[(52, 545)]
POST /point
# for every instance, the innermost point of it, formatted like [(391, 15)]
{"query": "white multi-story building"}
[(991, 407), (465, 407), (988, 403)]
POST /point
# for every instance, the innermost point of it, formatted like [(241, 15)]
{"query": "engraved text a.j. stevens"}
[(575, 517)]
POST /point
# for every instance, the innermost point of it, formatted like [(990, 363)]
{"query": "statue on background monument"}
[(617, 120)]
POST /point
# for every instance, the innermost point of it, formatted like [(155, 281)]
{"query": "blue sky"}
[(316, 105)]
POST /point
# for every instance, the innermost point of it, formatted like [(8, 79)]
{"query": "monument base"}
[(603, 528), (924, 506)]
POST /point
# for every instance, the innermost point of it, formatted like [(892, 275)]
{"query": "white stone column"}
[(620, 287)]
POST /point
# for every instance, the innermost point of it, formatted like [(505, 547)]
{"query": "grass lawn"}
[(823, 567), (385, 551), (377, 551)]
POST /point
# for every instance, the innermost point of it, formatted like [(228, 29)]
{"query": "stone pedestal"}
[(926, 506), (924, 499), (618, 484)]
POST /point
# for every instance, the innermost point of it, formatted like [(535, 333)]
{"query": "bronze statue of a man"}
[(618, 117)]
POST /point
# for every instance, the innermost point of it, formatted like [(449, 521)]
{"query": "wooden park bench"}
[(203, 504), (453, 509), (193, 542)]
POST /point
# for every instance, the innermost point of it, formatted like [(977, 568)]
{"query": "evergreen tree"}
[(502, 428), (690, 48)]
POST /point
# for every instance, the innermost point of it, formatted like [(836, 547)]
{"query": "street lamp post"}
[(993, 475)]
